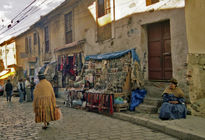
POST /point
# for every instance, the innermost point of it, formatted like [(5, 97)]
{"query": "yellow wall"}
[(22, 56), (195, 24)]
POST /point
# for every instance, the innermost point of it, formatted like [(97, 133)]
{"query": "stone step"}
[(152, 101), (143, 108), (155, 89)]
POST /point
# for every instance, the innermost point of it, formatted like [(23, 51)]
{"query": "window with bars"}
[(46, 39), (103, 8), (150, 2), (68, 28)]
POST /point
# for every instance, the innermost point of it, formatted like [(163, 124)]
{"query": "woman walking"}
[(44, 102)]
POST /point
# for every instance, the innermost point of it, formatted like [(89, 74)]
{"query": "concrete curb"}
[(159, 126), (175, 131)]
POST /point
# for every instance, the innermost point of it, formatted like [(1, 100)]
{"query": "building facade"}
[(156, 29)]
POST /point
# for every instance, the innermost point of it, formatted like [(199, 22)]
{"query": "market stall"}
[(114, 74), (111, 78)]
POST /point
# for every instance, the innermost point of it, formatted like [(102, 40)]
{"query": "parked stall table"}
[(101, 102)]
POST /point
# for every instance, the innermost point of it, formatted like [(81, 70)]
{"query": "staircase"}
[(153, 99)]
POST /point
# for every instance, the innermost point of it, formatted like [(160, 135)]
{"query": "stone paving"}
[(17, 123)]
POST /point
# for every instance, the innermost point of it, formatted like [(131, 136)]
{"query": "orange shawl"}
[(44, 102), (177, 92)]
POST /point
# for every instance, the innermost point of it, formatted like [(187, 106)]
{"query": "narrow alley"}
[(17, 123)]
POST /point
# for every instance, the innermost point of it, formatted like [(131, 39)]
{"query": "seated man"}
[(173, 106)]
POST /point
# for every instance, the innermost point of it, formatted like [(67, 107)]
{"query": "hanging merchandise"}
[(61, 64), (111, 78), (114, 74), (136, 76), (69, 66)]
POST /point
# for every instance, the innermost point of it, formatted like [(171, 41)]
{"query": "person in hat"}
[(8, 89), (21, 89), (28, 89), (33, 84), (173, 106), (44, 102)]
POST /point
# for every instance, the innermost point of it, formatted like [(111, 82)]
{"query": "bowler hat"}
[(174, 81), (41, 75)]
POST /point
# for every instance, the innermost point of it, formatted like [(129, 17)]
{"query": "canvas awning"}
[(113, 55), (6, 73)]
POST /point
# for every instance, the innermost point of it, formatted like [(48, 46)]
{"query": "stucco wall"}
[(131, 32), (22, 60), (195, 22), (20, 48), (57, 34)]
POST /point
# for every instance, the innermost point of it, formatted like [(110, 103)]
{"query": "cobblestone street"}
[(17, 123)]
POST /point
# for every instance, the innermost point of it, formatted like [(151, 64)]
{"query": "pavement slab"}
[(191, 128), (17, 122)]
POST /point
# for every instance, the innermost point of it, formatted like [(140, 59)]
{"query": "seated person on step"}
[(173, 106)]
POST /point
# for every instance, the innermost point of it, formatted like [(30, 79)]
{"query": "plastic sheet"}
[(137, 98)]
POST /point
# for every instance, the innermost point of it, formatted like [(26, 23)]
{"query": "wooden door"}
[(159, 51)]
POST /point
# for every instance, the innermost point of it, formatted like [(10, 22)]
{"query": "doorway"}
[(159, 51)]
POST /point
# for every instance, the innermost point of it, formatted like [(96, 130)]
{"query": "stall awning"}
[(6, 73), (113, 55), (70, 45)]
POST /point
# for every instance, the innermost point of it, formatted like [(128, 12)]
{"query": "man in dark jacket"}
[(8, 89), (33, 84)]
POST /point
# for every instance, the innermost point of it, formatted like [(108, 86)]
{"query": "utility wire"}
[(26, 14), (22, 18), (24, 9), (19, 13)]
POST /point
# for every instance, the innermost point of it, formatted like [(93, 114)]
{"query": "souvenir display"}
[(110, 82)]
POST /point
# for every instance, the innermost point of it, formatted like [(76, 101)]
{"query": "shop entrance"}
[(159, 51)]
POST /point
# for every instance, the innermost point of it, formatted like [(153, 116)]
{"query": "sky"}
[(8, 8), (14, 13)]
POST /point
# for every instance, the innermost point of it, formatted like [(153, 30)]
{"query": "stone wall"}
[(196, 76), (196, 82)]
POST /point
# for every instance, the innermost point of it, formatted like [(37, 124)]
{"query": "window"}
[(68, 28), (35, 38), (26, 45), (32, 71), (103, 8), (46, 39), (150, 2), (29, 45)]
